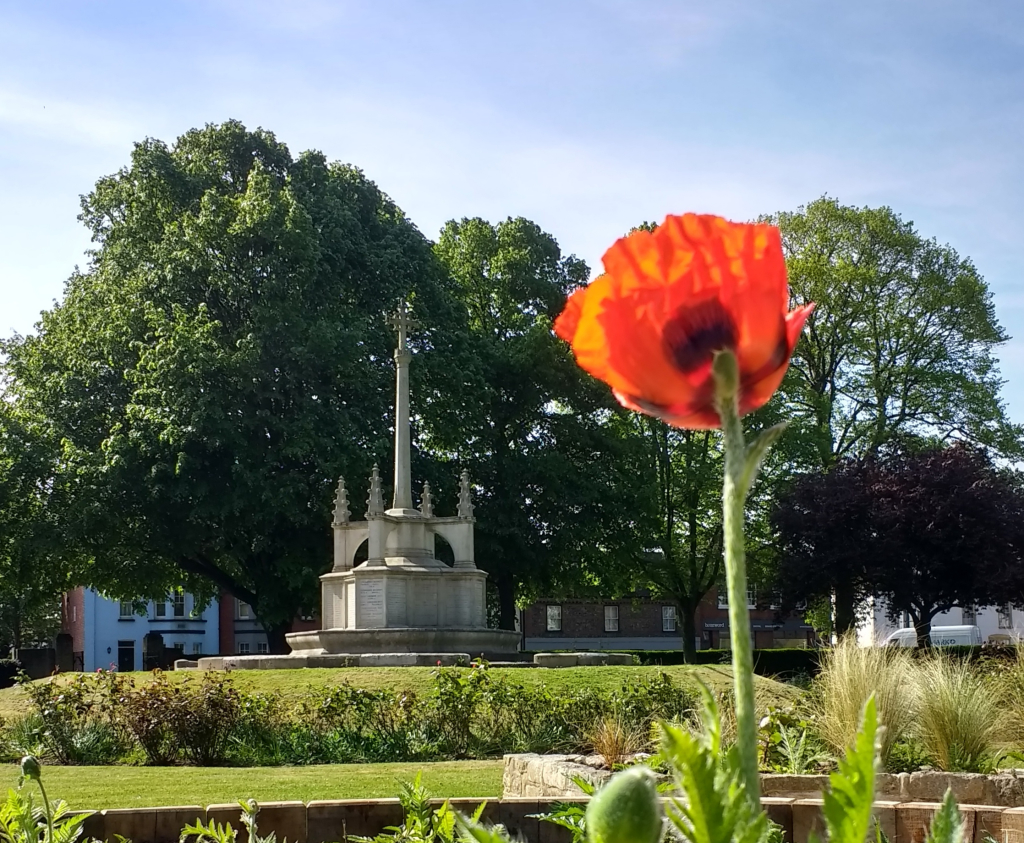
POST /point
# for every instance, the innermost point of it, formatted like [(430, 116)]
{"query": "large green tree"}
[(901, 343), (223, 357), (557, 480), (900, 347)]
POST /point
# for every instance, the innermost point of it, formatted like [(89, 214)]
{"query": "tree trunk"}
[(923, 628), (688, 615), (16, 628), (506, 601), (846, 615), (278, 644)]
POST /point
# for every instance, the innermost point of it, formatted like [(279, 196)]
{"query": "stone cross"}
[(402, 323)]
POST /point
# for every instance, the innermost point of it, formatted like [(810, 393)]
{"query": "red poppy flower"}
[(669, 299)]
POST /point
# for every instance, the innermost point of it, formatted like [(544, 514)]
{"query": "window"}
[(668, 618), (969, 615), (179, 645), (127, 610), (197, 648), (611, 618), (263, 648), (243, 648), (723, 597), (244, 610), (1005, 617), (178, 604), (160, 608), (554, 619)]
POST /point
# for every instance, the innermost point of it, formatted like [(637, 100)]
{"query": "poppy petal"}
[(569, 319)]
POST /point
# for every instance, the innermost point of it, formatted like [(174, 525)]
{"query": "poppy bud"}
[(626, 810), (30, 768)]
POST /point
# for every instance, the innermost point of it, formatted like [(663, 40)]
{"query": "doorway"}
[(125, 656)]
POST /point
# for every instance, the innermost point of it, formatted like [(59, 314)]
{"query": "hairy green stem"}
[(49, 810), (734, 494)]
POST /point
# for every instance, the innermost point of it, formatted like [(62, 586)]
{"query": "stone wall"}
[(551, 777)]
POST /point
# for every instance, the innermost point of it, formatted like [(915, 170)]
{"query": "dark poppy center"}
[(694, 332)]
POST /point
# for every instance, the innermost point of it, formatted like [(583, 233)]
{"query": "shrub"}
[(261, 734), (370, 725), (64, 710), (638, 704), (21, 736), (454, 703), (9, 670), (144, 712), (187, 720), (781, 661), (957, 715), (203, 716), (849, 675)]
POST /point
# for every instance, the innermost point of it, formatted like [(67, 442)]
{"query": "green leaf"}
[(714, 807), (757, 449), (848, 801), (947, 824)]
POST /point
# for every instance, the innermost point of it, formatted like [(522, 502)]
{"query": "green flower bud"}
[(30, 768), (626, 810)]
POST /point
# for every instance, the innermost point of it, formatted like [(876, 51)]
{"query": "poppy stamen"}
[(694, 333)]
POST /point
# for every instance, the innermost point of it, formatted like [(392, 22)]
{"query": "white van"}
[(942, 636)]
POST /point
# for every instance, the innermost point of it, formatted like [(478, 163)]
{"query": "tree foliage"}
[(220, 361), (901, 343), (925, 530), (556, 479), (36, 563)]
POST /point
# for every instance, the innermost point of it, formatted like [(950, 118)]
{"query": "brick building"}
[(639, 622)]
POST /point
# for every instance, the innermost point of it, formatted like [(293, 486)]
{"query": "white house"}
[(998, 624)]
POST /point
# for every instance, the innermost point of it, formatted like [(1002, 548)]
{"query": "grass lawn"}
[(293, 683), (95, 788)]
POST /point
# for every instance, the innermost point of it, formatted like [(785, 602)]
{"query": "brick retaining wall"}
[(332, 821)]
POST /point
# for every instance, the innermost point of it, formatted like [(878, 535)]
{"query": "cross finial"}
[(402, 323)]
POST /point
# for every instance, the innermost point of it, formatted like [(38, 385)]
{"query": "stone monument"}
[(402, 599)]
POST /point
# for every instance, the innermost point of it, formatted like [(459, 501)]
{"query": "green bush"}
[(783, 661), (104, 718), (9, 670), (71, 727)]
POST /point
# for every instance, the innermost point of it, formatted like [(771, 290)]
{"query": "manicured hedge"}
[(774, 662), (787, 662), (8, 671)]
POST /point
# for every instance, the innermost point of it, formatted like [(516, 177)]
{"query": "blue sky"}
[(586, 116)]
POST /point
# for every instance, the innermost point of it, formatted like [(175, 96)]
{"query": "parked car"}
[(942, 636)]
